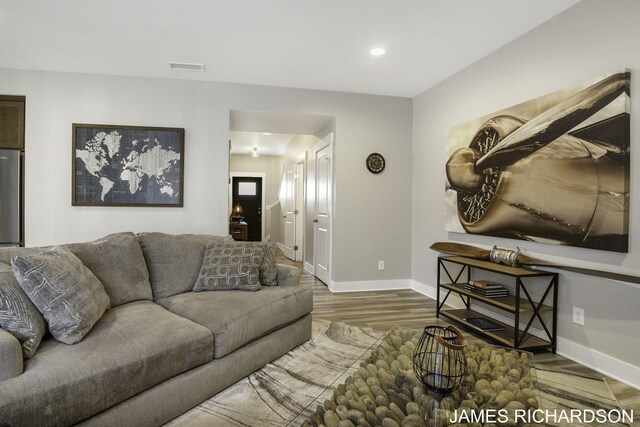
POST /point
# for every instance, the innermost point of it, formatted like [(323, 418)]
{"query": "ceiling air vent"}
[(183, 66)]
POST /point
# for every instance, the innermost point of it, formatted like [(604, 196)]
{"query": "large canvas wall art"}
[(554, 169), (127, 166)]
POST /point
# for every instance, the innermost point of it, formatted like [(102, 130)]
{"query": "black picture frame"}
[(118, 165)]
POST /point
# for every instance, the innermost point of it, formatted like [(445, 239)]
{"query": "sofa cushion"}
[(6, 254), (132, 348), (65, 291), (18, 315), (11, 358), (237, 318), (230, 265), (118, 262), (288, 275), (173, 260)]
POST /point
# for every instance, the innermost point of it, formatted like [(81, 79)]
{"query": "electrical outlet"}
[(380, 265), (578, 316)]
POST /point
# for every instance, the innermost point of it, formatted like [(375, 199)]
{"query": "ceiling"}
[(268, 145), (276, 122), (270, 131), (291, 43)]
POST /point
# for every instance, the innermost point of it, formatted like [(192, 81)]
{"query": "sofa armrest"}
[(288, 275), (10, 356)]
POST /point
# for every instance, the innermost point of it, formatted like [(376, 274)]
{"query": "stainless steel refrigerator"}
[(11, 198)]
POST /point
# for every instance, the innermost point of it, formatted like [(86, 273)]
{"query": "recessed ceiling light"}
[(266, 133), (378, 51), (184, 66)]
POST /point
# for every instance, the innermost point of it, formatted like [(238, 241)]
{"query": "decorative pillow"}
[(18, 315), (118, 263), (230, 265), (67, 293), (268, 269)]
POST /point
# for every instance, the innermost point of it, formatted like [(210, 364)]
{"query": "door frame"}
[(329, 141), (250, 175)]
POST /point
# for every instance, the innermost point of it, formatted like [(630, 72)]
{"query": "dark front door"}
[(248, 191)]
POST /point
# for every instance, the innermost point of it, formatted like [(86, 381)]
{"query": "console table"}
[(521, 305), (239, 231)]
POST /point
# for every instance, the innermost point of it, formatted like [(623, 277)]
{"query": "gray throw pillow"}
[(66, 292), (18, 315), (268, 269), (118, 263), (230, 265)]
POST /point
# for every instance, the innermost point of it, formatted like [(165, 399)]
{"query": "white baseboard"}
[(423, 289), (308, 268), (596, 360), (370, 285)]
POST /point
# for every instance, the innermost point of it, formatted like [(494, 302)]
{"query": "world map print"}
[(128, 166)]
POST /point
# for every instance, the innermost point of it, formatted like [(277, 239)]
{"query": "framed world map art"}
[(127, 166)]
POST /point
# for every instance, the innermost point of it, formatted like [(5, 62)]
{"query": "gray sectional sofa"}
[(160, 349)]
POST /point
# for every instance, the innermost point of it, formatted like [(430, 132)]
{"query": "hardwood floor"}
[(381, 310)]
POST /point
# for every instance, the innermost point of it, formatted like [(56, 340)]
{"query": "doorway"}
[(247, 190), (282, 146)]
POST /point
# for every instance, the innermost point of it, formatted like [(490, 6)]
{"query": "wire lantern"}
[(439, 360)]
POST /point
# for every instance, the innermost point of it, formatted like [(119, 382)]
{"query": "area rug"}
[(563, 390), (281, 393), (288, 390)]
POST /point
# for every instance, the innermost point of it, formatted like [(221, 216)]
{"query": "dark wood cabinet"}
[(519, 304), (239, 230), (12, 122)]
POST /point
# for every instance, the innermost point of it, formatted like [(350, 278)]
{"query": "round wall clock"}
[(375, 163)]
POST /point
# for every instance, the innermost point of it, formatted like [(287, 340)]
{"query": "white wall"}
[(372, 208), (588, 40), (366, 229)]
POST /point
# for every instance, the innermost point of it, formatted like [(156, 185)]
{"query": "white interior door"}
[(288, 214), (299, 210), (323, 152)]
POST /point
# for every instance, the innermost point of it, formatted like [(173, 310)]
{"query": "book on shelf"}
[(496, 293), (505, 292), (486, 284)]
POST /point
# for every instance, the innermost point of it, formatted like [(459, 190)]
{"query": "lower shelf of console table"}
[(505, 337)]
